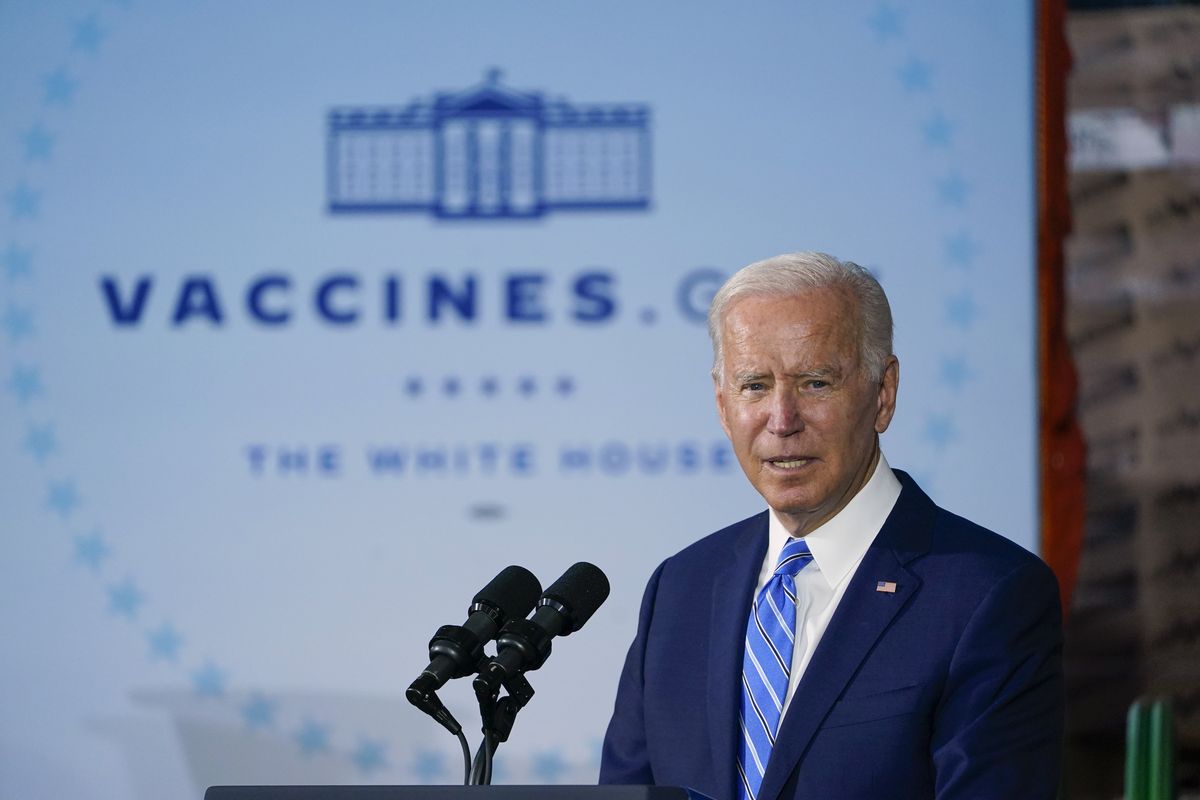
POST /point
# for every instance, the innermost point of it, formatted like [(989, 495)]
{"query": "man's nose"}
[(785, 417)]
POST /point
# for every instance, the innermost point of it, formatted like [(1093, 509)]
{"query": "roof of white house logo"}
[(489, 152)]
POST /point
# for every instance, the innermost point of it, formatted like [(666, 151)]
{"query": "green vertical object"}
[(1137, 746), (1160, 778)]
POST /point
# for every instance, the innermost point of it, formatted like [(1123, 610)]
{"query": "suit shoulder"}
[(978, 549), (719, 543)]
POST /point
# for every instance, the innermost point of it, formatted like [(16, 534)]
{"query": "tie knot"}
[(795, 557)]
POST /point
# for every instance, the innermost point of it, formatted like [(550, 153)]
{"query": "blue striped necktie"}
[(766, 665)]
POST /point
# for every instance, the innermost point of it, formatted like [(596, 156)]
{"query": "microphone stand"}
[(498, 714)]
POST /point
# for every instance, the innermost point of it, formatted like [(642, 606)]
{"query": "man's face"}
[(799, 408)]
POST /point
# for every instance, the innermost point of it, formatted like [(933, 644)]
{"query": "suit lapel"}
[(732, 594), (861, 618)]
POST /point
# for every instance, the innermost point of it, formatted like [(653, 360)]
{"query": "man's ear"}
[(721, 410), (888, 388)]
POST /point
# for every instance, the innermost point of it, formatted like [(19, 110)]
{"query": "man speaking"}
[(853, 640)]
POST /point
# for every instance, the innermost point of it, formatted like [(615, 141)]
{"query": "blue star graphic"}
[(125, 599), (90, 550), (209, 680), (565, 385), (451, 387), (24, 202), (259, 711), (549, 766), (952, 190), (313, 737), (961, 249), (368, 756), (165, 642), (961, 309), (413, 387), (954, 371), (429, 766), (940, 431), (887, 22), (59, 87), (938, 130), (39, 144), (527, 385), (489, 386), (63, 498), (18, 262), (915, 75), (18, 323), (88, 35), (25, 382), (40, 441)]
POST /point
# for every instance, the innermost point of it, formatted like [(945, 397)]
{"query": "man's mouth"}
[(790, 462)]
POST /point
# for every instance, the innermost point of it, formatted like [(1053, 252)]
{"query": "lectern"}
[(452, 793)]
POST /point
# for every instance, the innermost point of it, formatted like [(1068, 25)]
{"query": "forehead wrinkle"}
[(750, 342), (761, 348)]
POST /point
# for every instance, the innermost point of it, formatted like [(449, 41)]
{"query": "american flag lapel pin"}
[(886, 586)]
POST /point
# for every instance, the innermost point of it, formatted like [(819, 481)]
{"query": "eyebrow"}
[(819, 372), (815, 372), (746, 377)]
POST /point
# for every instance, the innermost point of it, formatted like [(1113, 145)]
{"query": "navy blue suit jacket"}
[(951, 687)]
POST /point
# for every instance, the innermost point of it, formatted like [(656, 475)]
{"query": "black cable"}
[(481, 770), (466, 748), (477, 766), (489, 751)]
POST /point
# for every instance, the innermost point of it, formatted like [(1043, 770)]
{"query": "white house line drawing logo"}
[(488, 152)]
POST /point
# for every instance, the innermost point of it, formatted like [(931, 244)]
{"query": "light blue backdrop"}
[(175, 613)]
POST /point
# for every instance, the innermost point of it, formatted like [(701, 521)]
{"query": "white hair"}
[(795, 273)]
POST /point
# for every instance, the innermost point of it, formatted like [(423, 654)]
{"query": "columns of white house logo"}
[(489, 152)]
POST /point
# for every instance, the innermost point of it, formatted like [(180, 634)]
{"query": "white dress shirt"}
[(838, 548)]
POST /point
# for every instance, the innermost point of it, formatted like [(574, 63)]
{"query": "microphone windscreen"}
[(514, 591), (581, 590)]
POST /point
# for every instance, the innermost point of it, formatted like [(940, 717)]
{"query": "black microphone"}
[(456, 651), (524, 644)]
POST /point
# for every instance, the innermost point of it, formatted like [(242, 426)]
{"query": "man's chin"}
[(794, 507), (799, 495)]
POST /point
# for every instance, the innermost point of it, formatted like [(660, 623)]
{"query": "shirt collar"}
[(839, 544)]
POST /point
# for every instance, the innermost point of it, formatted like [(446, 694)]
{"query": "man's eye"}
[(817, 384), (754, 387)]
